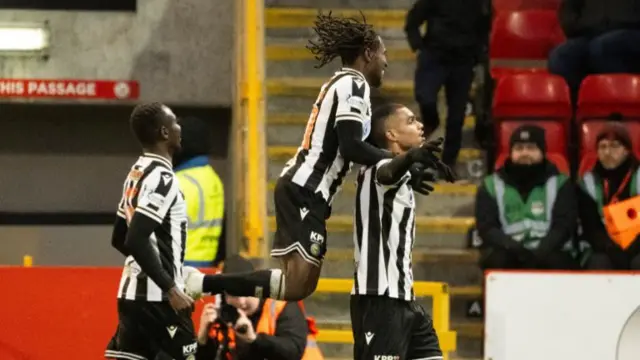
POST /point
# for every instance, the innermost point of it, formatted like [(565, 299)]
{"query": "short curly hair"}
[(146, 120)]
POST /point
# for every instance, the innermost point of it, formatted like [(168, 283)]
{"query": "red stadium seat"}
[(532, 95), (499, 73), (589, 132), (603, 95), (528, 34), (513, 5), (555, 137)]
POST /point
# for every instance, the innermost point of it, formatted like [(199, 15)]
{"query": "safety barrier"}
[(440, 311)]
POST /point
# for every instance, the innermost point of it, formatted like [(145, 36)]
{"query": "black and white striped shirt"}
[(152, 189), (384, 233), (318, 164)]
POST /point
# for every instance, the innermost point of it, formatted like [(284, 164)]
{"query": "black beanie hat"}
[(529, 134), (614, 131)]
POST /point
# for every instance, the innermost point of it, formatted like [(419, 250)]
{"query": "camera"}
[(228, 314)]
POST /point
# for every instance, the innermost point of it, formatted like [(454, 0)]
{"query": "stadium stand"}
[(537, 98)]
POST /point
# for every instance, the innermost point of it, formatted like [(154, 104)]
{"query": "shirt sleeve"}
[(403, 180), (157, 193), (350, 95), (121, 212)]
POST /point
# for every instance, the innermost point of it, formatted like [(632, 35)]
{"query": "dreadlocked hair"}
[(340, 37)]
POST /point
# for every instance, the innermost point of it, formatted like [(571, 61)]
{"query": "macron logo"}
[(172, 331), (166, 179), (368, 337), (303, 213)]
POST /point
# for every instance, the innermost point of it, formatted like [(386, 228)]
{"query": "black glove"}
[(420, 179), (427, 154)]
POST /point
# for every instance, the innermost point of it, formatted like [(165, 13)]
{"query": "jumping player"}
[(385, 317), (153, 311), (333, 141)]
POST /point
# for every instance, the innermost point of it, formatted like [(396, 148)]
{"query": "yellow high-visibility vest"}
[(204, 195)]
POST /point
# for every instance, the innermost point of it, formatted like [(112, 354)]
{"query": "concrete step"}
[(299, 120), (454, 267), (436, 204), (469, 344), (335, 4), (309, 87), (288, 128), (284, 153), (469, 171), (424, 224), (335, 306), (277, 50), (292, 17)]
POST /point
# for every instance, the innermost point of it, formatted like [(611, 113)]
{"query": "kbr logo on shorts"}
[(189, 349), (316, 238), (386, 357)]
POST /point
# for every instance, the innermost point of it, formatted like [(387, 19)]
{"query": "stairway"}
[(444, 217)]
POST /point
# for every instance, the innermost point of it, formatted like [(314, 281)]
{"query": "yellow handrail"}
[(253, 90), (440, 311)]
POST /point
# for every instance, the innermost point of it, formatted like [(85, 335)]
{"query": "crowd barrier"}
[(70, 312)]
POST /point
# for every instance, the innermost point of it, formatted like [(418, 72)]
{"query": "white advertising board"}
[(562, 316)]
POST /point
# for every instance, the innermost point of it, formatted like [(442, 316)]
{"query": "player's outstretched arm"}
[(353, 148), (139, 246)]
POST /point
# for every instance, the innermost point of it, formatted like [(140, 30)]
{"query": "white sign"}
[(562, 316)]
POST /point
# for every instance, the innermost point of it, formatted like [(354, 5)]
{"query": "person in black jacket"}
[(526, 211), (287, 343), (602, 37), (456, 38), (615, 177)]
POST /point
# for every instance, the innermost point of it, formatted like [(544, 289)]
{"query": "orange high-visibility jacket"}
[(271, 310)]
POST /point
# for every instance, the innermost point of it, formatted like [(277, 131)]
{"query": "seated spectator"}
[(255, 328), (602, 37), (526, 211), (614, 178)]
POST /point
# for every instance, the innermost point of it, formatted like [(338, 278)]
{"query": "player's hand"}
[(421, 179), (208, 317), (427, 153), (180, 302), (244, 329)]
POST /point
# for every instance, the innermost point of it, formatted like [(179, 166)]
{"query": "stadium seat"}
[(513, 5), (532, 95), (555, 136), (499, 73), (603, 95), (527, 34), (589, 132)]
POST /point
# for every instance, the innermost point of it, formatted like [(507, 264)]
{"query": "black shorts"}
[(386, 328), (301, 220), (152, 331)]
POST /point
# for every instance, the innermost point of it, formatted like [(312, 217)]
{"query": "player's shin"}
[(261, 284)]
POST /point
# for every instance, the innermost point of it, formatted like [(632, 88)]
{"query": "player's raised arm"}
[(158, 191)]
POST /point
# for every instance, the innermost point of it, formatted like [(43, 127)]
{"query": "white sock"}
[(276, 284)]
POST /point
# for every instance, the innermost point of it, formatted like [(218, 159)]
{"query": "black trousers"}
[(430, 76)]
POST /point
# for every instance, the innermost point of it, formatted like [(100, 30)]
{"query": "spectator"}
[(615, 177), (456, 40), (204, 194), (525, 211), (602, 37), (272, 329)]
